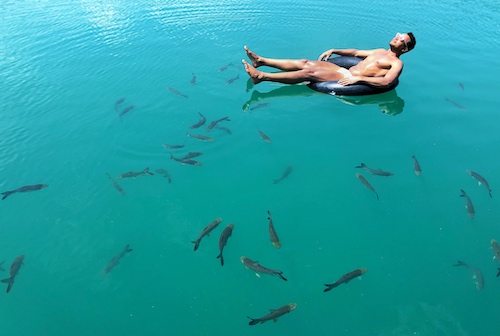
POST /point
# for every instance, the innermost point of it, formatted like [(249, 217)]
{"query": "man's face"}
[(400, 41)]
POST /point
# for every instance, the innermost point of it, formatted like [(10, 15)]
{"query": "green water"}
[(63, 65)]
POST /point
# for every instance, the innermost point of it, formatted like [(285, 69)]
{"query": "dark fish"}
[(1, 268), (259, 269), (206, 232), (229, 81), (457, 105), (285, 174), (135, 174), (264, 136), (272, 232), (215, 122), (201, 122), (378, 172), (477, 275), (200, 137), (223, 241), (126, 110), (468, 204), (177, 92), (165, 173), (416, 166), (191, 155), (274, 314), (118, 102), (480, 180), (366, 183), (224, 67), (167, 146), (193, 79), (27, 188), (260, 105), (116, 259), (225, 129), (185, 161), (461, 86), (14, 270), (345, 278), (496, 251), (116, 185)]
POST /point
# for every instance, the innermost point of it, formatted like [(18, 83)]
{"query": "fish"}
[(366, 183), (457, 105), (496, 252), (264, 136), (200, 137), (185, 161), (259, 269), (201, 122), (27, 188), (206, 232), (477, 275), (14, 270), (135, 174), (480, 180), (191, 155), (215, 122), (468, 204), (274, 314), (177, 92), (345, 278), (416, 166), (225, 129), (165, 173), (224, 67), (260, 105), (231, 80), (167, 146), (287, 172), (224, 236), (193, 79), (461, 86), (116, 185), (272, 232), (1, 268), (116, 259), (126, 110), (118, 102), (378, 172)]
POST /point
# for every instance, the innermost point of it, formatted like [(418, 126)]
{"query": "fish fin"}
[(498, 274), (253, 321), (6, 194), (329, 288), (479, 183), (281, 276), (221, 257), (196, 244), (9, 282), (460, 263), (464, 194), (257, 274), (275, 320)]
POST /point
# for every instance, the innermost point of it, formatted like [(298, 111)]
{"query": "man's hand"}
[(326, 55), (349, 80)]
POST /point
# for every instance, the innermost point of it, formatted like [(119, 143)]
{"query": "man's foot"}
[(255, 75), (253, 57)]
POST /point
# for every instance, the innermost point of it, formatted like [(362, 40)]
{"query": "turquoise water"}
[(63, 65)]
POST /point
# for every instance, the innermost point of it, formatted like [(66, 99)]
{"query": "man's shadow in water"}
[(388, 103)]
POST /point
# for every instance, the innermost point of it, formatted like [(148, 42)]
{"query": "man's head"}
[(403, 42)]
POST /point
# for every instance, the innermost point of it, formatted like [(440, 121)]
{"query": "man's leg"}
[(320, 74)]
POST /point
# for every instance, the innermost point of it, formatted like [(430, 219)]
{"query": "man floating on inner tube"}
[(376, 69)]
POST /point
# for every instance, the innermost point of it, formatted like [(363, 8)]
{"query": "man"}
[(379, 67)]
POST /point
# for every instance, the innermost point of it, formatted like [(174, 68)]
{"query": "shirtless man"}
[(379, 67)]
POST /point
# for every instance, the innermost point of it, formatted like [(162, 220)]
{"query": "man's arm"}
[(346, 52), (384, 81)]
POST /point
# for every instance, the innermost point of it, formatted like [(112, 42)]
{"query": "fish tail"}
[(281, 276), (128, 249), (6, 194), (221, 257), (460, 263), (362, 165), (196, 243), (9, 282), (253, 321), (498, 274), (489, 193), (329, 287), (464, 194), (146, 171)]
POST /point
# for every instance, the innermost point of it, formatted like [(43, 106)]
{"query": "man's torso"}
[(374, 65)]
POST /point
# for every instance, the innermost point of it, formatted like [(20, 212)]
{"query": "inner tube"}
[(334, 88)]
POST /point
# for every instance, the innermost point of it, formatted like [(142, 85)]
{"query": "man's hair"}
[(412, 42)]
